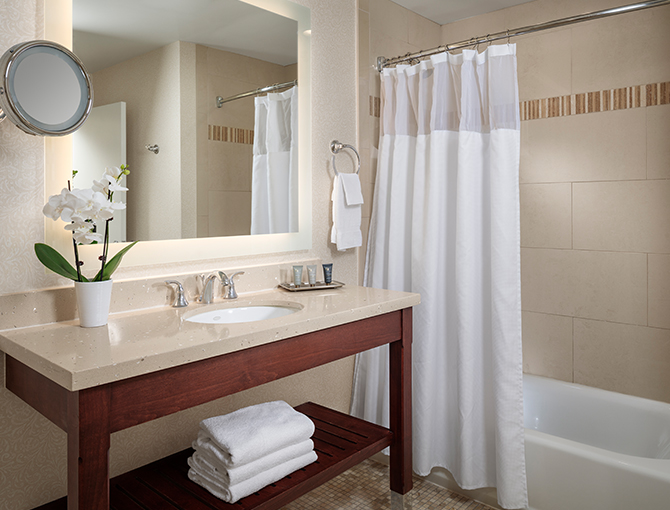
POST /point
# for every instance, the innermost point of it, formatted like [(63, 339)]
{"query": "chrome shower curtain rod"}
[(262, 90), (474, 41)]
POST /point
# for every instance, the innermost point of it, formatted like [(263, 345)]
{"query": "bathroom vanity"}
[(147, 364)]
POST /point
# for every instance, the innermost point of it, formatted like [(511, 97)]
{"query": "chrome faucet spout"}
[(207, 295), (228, 282)]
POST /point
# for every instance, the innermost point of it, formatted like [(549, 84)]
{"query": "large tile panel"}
[(546, 215), (659, 291), (622, 216), (595, 285), (658, 147), (547, 345), (605, 146), (623, 358), (631, 49), (544, 65)]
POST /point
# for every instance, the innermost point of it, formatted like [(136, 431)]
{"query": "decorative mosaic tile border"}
[(639, 96), (230, 134)]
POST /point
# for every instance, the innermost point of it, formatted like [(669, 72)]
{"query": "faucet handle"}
[(180, 300), (229, 282)]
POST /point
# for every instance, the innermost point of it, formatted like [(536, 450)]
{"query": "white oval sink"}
[(242, 314)]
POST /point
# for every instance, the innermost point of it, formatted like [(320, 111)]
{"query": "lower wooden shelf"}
[(341, 441)]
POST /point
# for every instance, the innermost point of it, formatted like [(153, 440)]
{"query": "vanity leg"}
[(88, 449), (400, 373)]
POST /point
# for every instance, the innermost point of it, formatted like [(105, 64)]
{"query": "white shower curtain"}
[(445, 224), (274, 186)]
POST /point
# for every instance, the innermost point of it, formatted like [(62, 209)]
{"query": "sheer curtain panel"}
[(445, 224), (274, 185)]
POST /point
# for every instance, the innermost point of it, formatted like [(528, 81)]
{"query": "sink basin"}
[(249, 313)]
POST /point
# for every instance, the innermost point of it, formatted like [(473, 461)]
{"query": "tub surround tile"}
[(546, 215), (229, 213), (658, 148), (547, 345), (622, 216), (619, 357), (659, 291), (606, 146), (603, 57), (544, 65), (587, 284)]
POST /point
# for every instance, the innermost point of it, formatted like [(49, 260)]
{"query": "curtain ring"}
[(508, 36)]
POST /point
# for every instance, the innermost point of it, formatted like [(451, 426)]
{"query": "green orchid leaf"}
[(113, 264), (55, 262)]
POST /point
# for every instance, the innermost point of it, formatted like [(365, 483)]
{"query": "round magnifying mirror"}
[(45, 89)]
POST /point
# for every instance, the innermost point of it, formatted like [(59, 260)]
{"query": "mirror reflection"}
[(157, 70)]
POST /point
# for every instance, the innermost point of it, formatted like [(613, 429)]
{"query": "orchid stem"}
[(74, 243)]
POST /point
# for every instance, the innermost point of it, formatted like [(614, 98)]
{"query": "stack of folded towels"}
[(239, 453)]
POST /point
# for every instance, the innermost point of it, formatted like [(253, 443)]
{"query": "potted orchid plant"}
[(87, 213)]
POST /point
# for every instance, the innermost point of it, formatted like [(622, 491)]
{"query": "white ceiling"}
[(108, 32), (447, 11)]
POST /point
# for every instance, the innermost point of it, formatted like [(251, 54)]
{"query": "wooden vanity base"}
[(89, 416)]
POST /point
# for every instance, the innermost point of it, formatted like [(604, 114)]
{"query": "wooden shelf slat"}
[(341, 441)]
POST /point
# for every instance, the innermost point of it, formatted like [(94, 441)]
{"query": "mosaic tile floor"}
[(366, 487)]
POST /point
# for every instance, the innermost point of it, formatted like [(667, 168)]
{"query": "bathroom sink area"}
[(244, 313)]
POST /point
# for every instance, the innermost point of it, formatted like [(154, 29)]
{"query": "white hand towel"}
[(206, 450), (346, 231), (253, 432), (231, 493)]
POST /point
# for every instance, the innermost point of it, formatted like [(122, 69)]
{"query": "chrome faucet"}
[(207, 295), (180, 299), (231, 293)]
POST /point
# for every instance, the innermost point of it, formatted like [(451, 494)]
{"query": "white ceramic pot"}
[(93, 299)]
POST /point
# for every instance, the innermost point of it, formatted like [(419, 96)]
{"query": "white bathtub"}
[(590, 449)]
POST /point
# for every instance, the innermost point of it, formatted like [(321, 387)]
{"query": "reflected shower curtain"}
[(274, 185), (445, 224)]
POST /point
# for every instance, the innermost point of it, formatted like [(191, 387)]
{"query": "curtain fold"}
[(274, 185), (445, 224)]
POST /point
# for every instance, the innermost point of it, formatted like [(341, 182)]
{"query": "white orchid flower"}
[(54, 206)]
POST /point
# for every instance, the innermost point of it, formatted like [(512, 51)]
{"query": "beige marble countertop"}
[(139, 342)]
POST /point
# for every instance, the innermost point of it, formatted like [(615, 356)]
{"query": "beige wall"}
[(224, 179), (32, 450), (595, 187), (147, 84)]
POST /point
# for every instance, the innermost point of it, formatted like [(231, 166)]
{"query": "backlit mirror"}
[(44, 89), (217, 168), (157, 69)]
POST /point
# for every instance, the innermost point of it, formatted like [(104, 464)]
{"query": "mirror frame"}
[(58, 165)]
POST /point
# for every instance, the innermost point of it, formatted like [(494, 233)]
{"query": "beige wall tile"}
[(390, 19), (364, 57), (659, 291), (619, 357), (604, 146), (229, 213), (230, 166), (632, 49), (546, 215), (544, 65), (364, 5), (622, 216), (595, 285), (239, 113), (547, 345), (423, 32), (658, 147)]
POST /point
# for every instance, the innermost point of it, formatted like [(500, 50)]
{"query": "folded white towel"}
[(253, 432), (347, 199), (230, 493), (209, 453)]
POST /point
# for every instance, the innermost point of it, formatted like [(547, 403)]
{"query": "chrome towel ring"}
[(336, 147)]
